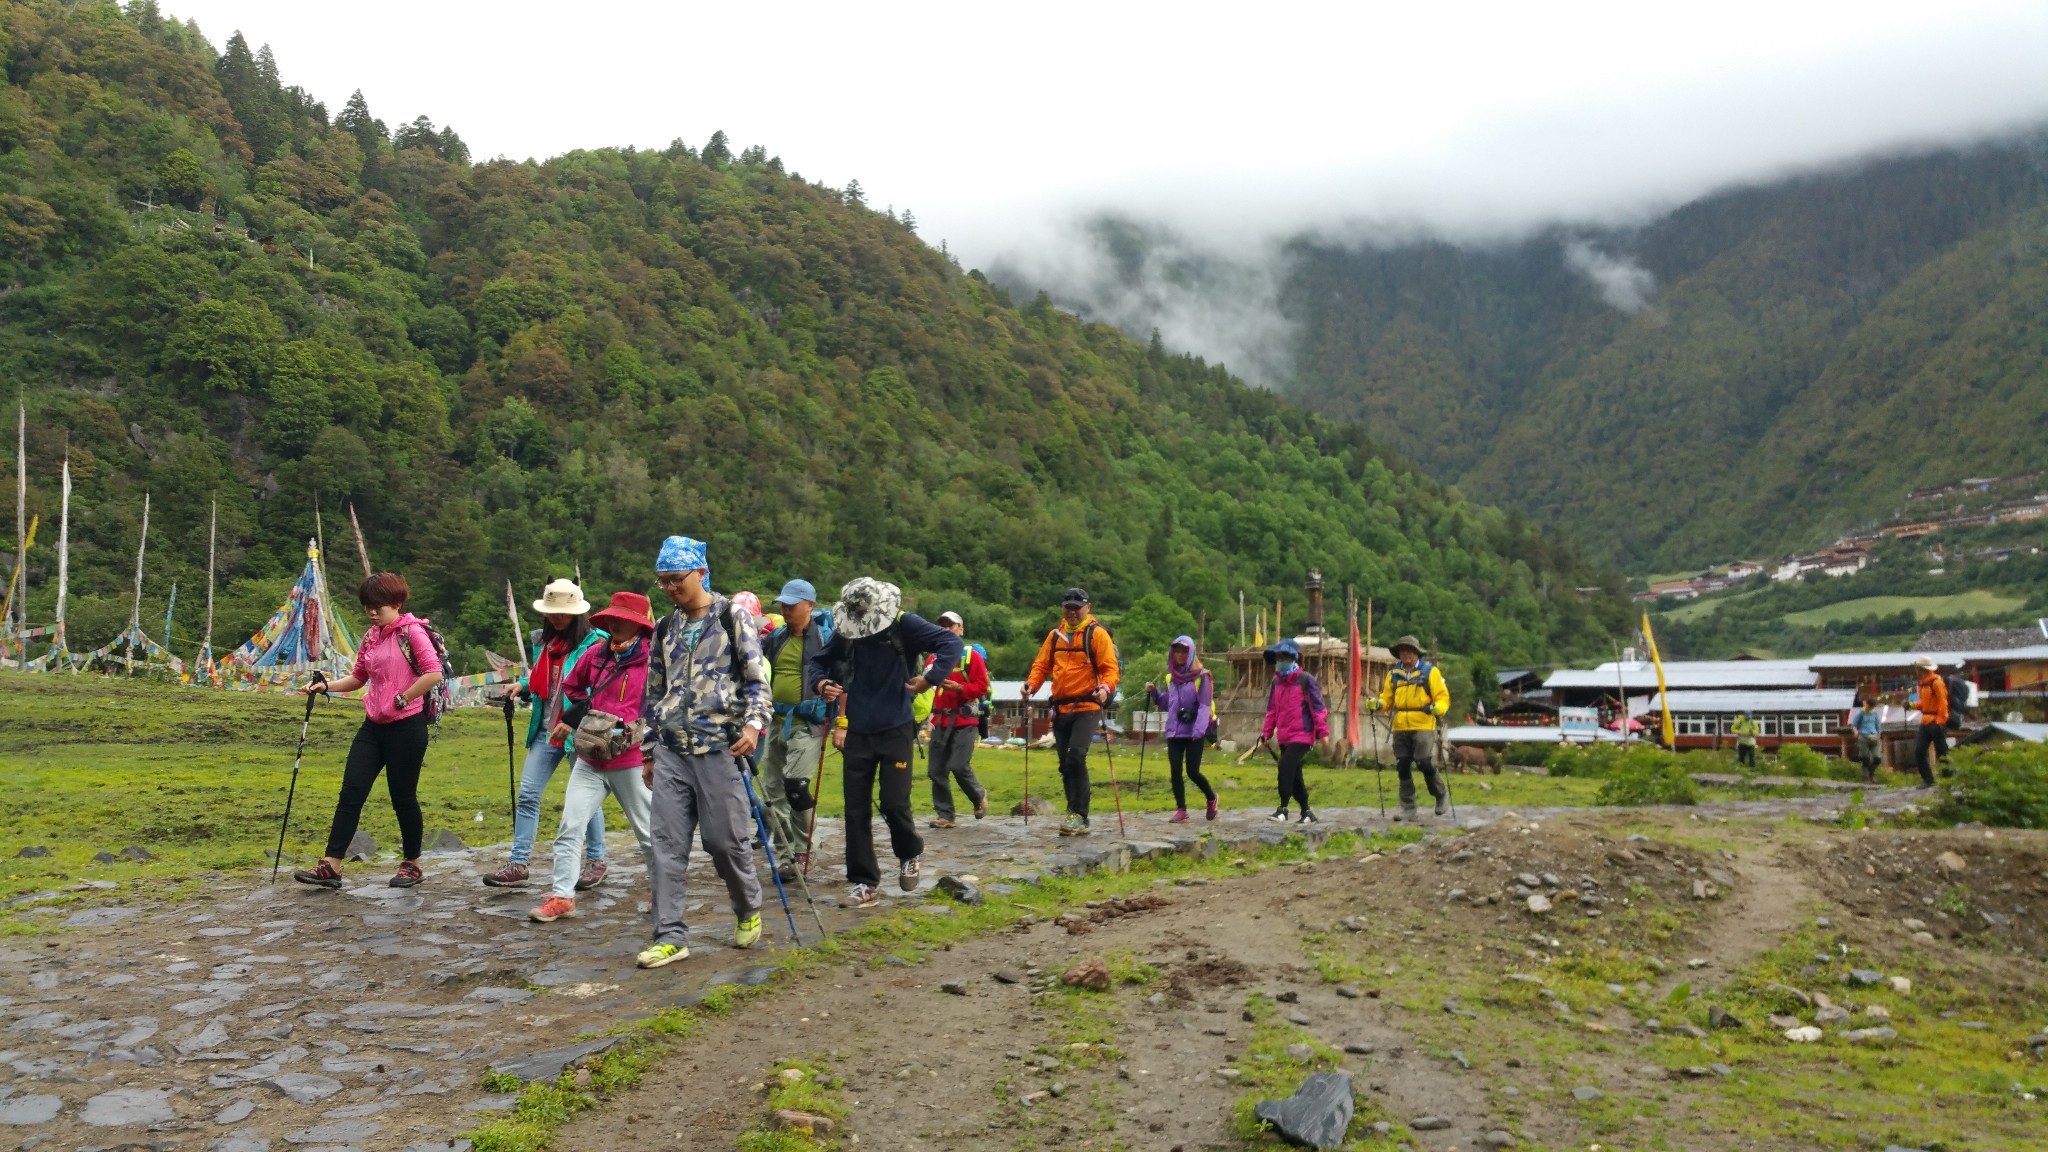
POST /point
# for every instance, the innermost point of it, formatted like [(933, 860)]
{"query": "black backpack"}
[(440, 697)]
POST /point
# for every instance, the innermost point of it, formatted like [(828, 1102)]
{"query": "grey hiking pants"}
[(952, 758), (692, 793), (1411, 751), (789, 751)]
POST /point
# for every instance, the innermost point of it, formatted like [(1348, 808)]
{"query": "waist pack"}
[(602, 737)]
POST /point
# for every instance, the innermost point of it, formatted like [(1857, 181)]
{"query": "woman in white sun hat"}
[(564, 635)]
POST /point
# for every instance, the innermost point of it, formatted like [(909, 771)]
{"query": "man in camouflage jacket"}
[(707, 703)]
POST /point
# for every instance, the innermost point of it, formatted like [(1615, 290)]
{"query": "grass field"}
[(1975, 602), (198, 779)]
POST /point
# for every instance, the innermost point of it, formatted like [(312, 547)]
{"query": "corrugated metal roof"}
[(1807, 700), (1689, 674), (1879, 659), (1518, 734), (2032, 733)]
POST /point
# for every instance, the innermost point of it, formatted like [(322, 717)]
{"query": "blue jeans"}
[(541, 761)]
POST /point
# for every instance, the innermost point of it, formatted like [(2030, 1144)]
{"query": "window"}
[(1693, 725), (1810, 724)]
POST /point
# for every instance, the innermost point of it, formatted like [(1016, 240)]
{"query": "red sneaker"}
[(552, 909), (323, 874), (1212, 807), (510, 876), (408, 875)]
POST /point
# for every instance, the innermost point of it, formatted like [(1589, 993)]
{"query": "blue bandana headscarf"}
[(682, 554)]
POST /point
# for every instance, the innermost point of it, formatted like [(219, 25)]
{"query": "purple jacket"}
[(1183, 691), (1295, 712)]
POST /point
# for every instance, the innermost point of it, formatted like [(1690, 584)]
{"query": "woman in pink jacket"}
[(609, 680), (1296, 718), (395, 666)]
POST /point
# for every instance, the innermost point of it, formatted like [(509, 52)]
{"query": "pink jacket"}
[(1295, 712), (381, 666), (608, 681)]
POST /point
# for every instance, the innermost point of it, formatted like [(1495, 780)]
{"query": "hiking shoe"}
[(1071, 826), (939, 822), (656, 955), (1443, 806), (1279, 816), (510, 876), (1212, 807), (323, 874), (981, 806), (408, 875), (748, 933), (1180, 816), (1407, 812), (552, 909), (786, 871), (1308, 817), (907, 873), (592, 875), (861, 896)]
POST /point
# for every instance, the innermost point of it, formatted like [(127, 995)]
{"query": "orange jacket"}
[(1933, 699), (1077, 663)]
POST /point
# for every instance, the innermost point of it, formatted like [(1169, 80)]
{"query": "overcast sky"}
[(1233, 122)]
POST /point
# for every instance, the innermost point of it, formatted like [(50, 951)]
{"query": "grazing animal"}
[(1468, 759)]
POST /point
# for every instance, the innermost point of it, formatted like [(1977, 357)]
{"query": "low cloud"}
[(1622, 282)]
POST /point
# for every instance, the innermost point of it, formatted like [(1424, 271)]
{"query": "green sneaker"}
[(657, 955), (748, 933)]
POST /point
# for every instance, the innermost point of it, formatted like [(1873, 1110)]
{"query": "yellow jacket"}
[(1415, 698)]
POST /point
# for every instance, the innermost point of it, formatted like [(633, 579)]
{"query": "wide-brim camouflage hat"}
[(1406, 642), (866, 606)]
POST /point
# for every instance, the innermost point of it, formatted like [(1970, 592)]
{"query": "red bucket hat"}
[(627, 606)]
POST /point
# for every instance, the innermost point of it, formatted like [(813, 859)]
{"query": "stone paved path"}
[(281, 1016)]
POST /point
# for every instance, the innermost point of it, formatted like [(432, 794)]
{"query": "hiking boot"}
[(1443, 806), (981, 806), (1308, 817), (552, 909), (1212, 808), (939, 822), (510, 876), (907, 873), (786, 871), (1180, 816), (861, 896), (656, 955), (323, 874), (748, 933), (1407, 812), (408, 875), (592, 875), (1279, 816), (1071, 826)]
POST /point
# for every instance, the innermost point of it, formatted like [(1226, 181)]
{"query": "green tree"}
[(717, 152), (1150, 624), (224, 345), (183, 179)]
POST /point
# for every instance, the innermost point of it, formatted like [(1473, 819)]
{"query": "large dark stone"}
[(362, 846), (1316, 1115), (963, 890), (137, 853), (445, 841), (549, 1064), (32, 852)]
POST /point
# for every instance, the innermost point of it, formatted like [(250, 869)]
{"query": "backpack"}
[(1087, 648), (1958, 690), (440, 697), (732, 638)]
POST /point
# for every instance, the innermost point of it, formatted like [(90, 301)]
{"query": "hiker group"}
[(676, 718)]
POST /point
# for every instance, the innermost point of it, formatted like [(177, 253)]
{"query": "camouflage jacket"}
[(698, 700)]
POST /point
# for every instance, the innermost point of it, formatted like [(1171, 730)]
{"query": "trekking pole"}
[(1445, 773), (1378, 770), (277, 857), (511, 789), (817, 786), (1027, 762), (768, 846), (1142, 743), (1116, 794)]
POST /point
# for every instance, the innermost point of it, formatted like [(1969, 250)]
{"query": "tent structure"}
[(303, 636)]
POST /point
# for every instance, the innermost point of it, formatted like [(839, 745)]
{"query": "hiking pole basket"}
[(277, 857)]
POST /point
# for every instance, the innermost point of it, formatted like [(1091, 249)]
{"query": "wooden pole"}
[(63, 554), (361, 551), (21, 517), (1240, 618), (518, 641), (206, 640), (135, 609)]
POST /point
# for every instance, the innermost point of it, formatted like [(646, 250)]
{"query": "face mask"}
[(1285, 666)]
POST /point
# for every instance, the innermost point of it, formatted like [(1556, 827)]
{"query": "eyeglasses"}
[(671, 579)]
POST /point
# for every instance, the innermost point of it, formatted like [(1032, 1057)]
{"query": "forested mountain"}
[(215, 289), (1754, 372)]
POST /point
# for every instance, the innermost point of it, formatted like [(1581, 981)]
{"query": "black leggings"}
[(397, 749), (1188, 748), (1292, 784), (1071, 732)]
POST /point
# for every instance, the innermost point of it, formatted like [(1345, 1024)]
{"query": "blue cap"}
[(1285, 648), (682, 554), (796, 592)]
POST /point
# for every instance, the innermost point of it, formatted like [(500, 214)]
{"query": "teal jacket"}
[(542, 707)]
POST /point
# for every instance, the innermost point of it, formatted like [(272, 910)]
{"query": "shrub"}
[(1647, 776), (1801, 761), (2003, 787)]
